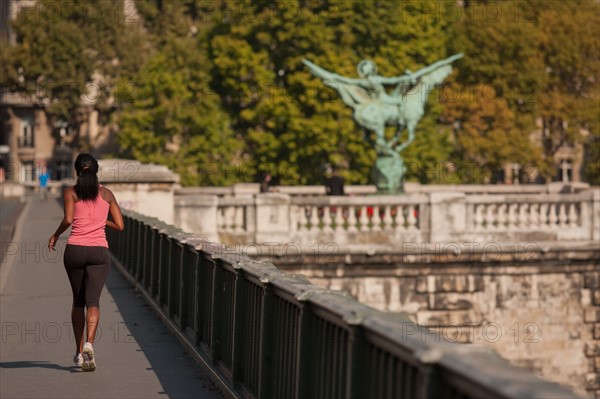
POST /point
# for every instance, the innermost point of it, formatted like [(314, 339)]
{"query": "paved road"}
[(136, 356)]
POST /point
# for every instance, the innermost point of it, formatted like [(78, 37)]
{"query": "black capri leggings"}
[(87, 268)]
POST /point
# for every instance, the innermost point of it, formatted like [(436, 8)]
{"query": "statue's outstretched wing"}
[(431, 75), (414, 98), (350, 91)]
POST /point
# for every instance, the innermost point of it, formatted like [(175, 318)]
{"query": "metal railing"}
[(262, 333)]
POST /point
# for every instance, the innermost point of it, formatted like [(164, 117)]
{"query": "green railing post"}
[(117, 245), (217, 307), (206, 274), (154, 261), (148, 256), (175, 287), (238, 308), (355, 385), (198, 307), (305, 341), (266, 347), (187, 284), (125, 239), (429, 382), (163, 268), (139, 247), (140, 252)]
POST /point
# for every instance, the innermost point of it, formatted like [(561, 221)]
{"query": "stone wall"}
[(540, 312), (144, 188)]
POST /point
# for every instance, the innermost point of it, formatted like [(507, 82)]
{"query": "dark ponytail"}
[(87, 186)]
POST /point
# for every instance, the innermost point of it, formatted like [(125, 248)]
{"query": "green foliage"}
[(292, 123), (217, 90), (174, 118), (486, 134), (592, 158), (542, 58), (66, 54)]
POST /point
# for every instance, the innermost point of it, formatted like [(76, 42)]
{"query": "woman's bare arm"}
[(69, 210), (115, 212)]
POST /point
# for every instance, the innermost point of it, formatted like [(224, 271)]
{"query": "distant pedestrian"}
[(44, 177), (334, 184), (86, 257), (266, 186)]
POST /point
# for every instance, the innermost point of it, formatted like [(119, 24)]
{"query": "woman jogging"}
[(87, 260)]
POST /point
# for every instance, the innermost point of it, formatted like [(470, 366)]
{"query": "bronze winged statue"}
[(375, 108)]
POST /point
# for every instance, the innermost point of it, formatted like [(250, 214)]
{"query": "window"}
[(28, 172), (61, 170), (26, 134)]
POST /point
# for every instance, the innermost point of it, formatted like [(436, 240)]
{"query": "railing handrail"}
[(528, 198), (265, 333), (409, 199)]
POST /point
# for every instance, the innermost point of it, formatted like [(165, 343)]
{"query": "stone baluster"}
[(314, 218), (376, 219), (223, 218), (552, 218), (543, 219), (501, 218), (295, 218), (490, 222), (238, 219), (387, 218), (219, 219), (304, 217), (230, 218), (400, 220), (327, 219), (523, 215), (352, 219), (534, 216), (479, 217), (339, 218), (512, 216), (363, 220), (411, 218), (573, 216), (562, 215)]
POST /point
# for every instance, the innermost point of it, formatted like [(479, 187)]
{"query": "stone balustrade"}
[(517, 212), (391, 219)]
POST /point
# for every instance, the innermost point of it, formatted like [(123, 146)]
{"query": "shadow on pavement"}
[(178, 374), (35, 364)]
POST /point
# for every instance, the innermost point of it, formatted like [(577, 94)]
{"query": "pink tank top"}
[(89, 221)]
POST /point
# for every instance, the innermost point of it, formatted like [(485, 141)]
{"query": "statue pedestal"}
[(388, 174)]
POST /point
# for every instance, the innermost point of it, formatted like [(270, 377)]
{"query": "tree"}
[(542, 58), (291, 122), (570, 103), (486, 137), (217, 90), (72, 54), (174, 118)]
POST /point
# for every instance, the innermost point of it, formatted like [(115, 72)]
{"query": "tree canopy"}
[(219, 93)]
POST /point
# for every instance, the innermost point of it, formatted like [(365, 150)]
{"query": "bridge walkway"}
[(137, 357)]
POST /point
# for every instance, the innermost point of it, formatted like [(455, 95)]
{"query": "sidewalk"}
[(135, 354)]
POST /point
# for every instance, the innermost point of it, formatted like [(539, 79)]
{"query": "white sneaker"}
[(89, 363), (78, 359)]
